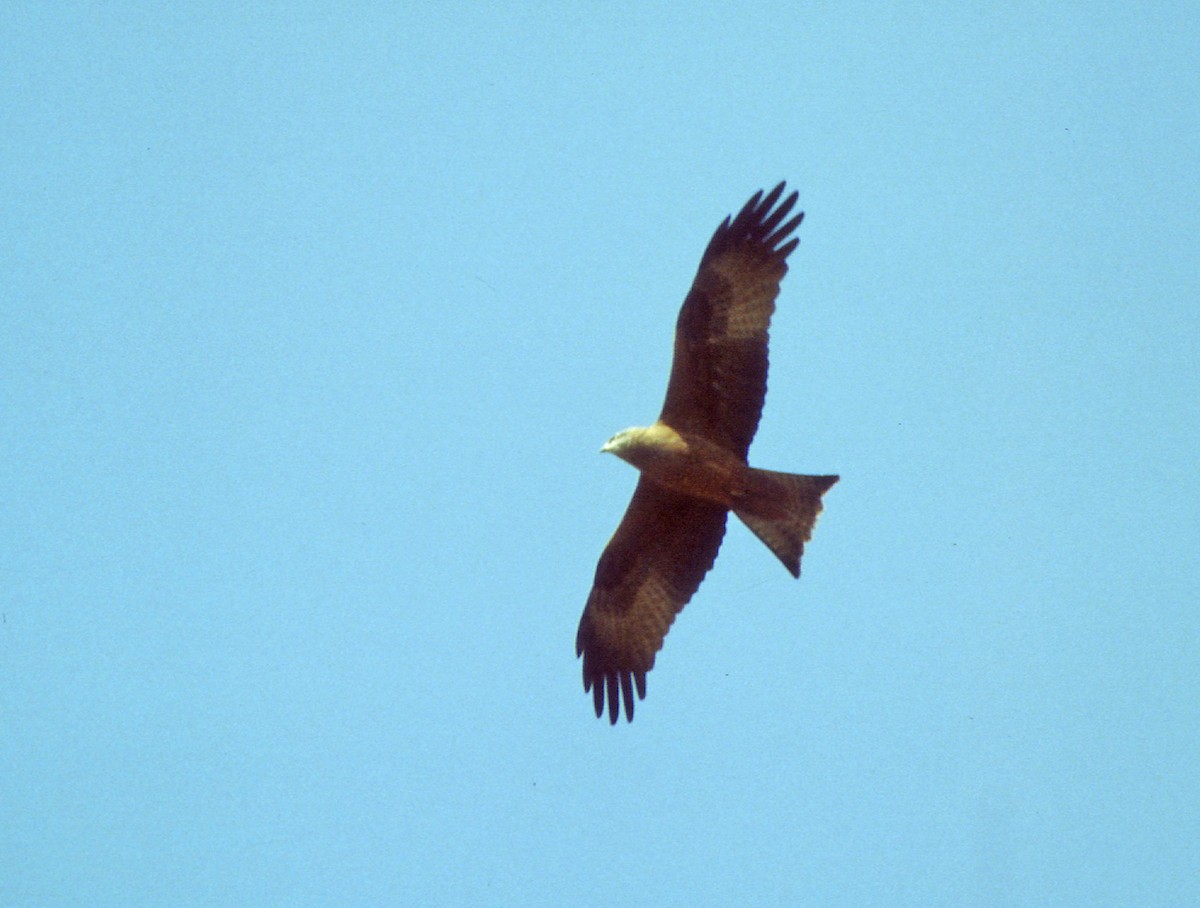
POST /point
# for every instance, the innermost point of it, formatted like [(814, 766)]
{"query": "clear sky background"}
[(314, 319)]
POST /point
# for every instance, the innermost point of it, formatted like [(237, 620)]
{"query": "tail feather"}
[(781, 509)]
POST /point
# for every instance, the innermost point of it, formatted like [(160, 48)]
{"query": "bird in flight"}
[(693, 460)]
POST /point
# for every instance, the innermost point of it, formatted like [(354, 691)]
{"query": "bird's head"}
[(621, 442), (645, 445)]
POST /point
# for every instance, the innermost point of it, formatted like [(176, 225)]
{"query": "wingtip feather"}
[(771, 198), (627, 694), (614, 703)]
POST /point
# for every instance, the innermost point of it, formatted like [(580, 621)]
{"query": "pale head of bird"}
[(622, 441), (637, 444)]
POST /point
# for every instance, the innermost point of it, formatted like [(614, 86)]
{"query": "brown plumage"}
[(693, 460)]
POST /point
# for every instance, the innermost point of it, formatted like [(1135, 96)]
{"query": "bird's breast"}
[(695, 468)]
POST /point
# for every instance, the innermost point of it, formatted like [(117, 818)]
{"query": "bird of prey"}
[(693, 460)]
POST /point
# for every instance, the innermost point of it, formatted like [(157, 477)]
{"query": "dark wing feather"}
[(653, 565), (719, 373)]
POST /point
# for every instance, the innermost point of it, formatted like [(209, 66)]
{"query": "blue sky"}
[(313, 321)]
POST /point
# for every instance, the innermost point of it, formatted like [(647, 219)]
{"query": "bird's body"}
[(687, 465), (693, 460)]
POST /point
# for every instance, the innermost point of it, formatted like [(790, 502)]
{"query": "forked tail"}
[(780, 509)]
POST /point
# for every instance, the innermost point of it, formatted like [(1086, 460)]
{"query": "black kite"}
[(693, 460)]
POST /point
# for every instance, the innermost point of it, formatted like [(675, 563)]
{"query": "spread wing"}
[(719, 373), (653, 565)]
